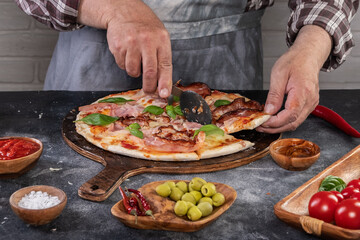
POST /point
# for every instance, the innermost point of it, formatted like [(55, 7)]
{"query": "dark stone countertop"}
[(259, 185)]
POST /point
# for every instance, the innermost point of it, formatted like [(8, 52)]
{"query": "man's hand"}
[(296, 74), (137, 39)]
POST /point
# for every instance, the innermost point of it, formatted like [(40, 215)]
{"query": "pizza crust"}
[(237, 124), (223, 150)]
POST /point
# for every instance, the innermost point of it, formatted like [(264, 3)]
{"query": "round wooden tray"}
[(119, 167)]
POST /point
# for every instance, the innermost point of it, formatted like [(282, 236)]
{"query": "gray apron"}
[(213, 41)]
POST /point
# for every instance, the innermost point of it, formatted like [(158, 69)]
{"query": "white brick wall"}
[(26, 47), (274, 23)]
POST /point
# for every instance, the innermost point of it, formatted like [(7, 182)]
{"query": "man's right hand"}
[(137, 39)]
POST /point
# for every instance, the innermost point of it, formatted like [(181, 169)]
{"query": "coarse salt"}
[(38, 200)]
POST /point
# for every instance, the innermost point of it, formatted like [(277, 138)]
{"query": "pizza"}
[(141, 125)]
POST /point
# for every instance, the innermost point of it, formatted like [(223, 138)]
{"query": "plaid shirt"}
[(332, 15)]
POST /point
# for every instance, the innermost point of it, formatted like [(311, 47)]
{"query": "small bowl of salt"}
[(38, 205)]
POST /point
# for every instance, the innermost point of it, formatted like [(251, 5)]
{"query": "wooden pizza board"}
[(119, 167)]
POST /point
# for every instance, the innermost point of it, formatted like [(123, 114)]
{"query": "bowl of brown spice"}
[(294, 154)]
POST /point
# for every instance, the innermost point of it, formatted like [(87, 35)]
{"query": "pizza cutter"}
[(193, 106)]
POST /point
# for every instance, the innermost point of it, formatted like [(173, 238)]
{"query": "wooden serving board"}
[(119, 167), (163, 211), (293, 209)]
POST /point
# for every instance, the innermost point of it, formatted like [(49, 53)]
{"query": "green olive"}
[(197, 195), (206, 208), (188, 197), (194, 213), (190, 204), (196, 183), (218, 199), (183, 186), (163, 190), (190, 188), (181, 208), (208, 189), (206, 199), (176, 194), (171, 184)]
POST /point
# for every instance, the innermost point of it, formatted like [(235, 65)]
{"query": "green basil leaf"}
[(210, 129), (134, 126), (176, 98), (221, 102), (154, 109), (170, 111), (332, 183), (115, 100), (98, 119), (178, 111), (134, 129), (137, 133)]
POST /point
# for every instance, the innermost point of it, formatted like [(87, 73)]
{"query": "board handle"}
[(100, 187)]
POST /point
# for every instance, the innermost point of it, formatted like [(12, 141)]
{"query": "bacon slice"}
[(116, 126), (97, 107), (167, 139), (198, 87), (237, 113), (126, 110), (152, 99), (237, 104)]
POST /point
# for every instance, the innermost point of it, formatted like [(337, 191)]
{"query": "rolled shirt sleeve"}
[(334, 16), (60, 15)]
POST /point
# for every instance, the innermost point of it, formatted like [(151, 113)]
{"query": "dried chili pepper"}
[(335, 119), (144, 202), (135, 204), (130, 209)]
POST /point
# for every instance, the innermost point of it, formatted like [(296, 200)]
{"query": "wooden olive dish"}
[(38, 217), (294, 154), (18, 166)]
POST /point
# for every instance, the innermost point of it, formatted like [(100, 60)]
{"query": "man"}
[(216, 42)]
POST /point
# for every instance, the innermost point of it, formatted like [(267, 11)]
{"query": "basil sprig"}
[(209, 129), (98, 119), (154, 109), (178, 111), (115, 100), (332, 183), (221, 102), (173, 111), (134, 129), (176, 98)]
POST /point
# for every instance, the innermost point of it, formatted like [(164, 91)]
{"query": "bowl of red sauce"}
[(294, 154), (18, 154)]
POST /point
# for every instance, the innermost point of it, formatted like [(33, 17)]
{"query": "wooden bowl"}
[(38, 216), (18, 166), (163, 210), (293, 209), (294, 154)]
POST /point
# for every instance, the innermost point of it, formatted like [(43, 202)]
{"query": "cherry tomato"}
[(347, 214), (356, 196), (348, 191), (339, 196), (354, 183), (322, 206)]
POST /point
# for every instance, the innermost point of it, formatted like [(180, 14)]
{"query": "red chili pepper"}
[(131, 210), (335, 119), (135, 204), (143, 201)]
